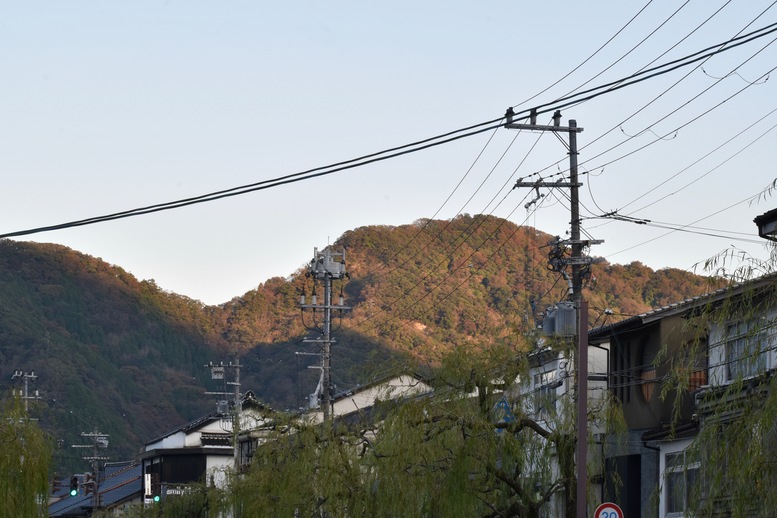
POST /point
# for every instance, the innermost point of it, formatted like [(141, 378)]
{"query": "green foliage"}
[(735, 447), (103, 345), (197, 501), (738, 472), (25, 455), (444, 455)]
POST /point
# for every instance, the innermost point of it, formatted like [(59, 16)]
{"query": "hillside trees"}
[(127, 356)]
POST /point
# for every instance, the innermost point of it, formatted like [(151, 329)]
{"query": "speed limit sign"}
[(608, 510)]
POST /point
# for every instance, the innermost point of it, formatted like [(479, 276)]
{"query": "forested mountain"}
[(125, 357)]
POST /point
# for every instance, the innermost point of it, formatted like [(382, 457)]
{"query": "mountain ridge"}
[(122, 355)]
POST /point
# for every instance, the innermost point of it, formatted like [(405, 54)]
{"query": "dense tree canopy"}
[(24, 461), (106, 345)]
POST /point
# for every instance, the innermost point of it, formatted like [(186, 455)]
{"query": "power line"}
[(746, 200), (586, 60), (659, 70), (635, 47), (276, 182), (693, 120), (699, 160), (415, 146)]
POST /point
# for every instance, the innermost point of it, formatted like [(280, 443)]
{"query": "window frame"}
[(674, 461), (745, 349), (545, 393)]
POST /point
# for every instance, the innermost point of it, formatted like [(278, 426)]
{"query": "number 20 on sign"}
[(608, 510)]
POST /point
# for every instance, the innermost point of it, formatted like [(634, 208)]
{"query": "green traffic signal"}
[(73, 492), (156, 498)]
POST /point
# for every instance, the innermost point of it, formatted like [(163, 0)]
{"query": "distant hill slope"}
[(103, 345), (125, 357)]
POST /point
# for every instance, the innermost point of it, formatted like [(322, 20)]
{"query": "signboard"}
[(169, 491), (608, 510), (503, 413)]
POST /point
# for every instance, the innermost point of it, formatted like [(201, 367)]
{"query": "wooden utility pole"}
[(576, 291)]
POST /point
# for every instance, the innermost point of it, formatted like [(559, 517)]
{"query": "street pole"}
[(582, 329), (236, 420), (325, 266), (99, 441), (326, 357), (25, 395), (217, 373), (577, 260)]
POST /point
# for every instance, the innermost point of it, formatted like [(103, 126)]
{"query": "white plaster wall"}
[(176, 440), (217, 468)]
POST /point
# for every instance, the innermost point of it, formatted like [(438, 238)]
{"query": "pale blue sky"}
[(111, 106)]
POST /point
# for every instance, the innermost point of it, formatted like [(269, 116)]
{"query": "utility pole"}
[(26, 377), (217, 373), (326, 266), (577, 261), (91, 480), (314, 397)]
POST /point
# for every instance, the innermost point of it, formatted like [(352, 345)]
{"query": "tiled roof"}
[(249, 399), (120, 481), (682, 306)]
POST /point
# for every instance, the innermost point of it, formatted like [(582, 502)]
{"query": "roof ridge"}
[(106, 490), (123, 470)]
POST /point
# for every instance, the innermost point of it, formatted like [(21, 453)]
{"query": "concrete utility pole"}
[(325, 266), (91, 482), (576, 289), (217, 373), (25, 395)]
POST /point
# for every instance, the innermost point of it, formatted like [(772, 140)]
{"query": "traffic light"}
[(156, 488), (74, 486), (56, 484)]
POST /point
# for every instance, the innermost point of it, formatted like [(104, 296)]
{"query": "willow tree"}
[(730, 467), (447, 454), (25, 456), (198, 501)]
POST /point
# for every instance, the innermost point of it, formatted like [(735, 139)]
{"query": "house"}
[(354, 405), (671, 369), (362, 398), (634, 373), (547, 395), (200, 451)]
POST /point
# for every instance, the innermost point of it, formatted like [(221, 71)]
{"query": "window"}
[(699, 368), (647, 360), (680, 475), (545, 386), (745, 349), (216, 439)]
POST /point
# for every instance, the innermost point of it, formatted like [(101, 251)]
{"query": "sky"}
[(111, 106)]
